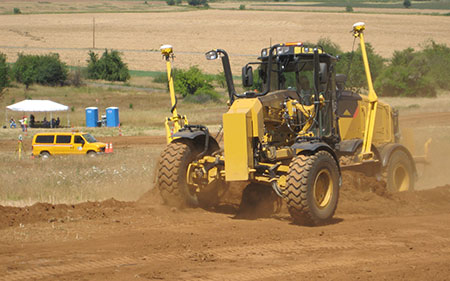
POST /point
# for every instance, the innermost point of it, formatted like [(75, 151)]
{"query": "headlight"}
[(264, 53), (282, 50), (211, 55)]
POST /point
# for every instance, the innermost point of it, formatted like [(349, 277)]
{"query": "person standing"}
[(12, 123), (25, 124)]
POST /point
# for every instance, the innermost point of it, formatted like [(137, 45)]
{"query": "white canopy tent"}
[(38, 106)]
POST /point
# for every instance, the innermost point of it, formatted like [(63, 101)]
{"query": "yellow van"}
[(46, 144)]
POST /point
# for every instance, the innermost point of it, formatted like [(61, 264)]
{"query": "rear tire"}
[(399, 172), (173, 164), (45, 155), (312, 188)]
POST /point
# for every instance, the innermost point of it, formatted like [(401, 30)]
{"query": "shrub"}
[(242, 7), (407, 3), (197, 2), (44, 70), (399, 80), (109, 67), (170, 2), (4, 72), (437, 56), (418, 73), (192, 82), (349, 9), (17, 11)]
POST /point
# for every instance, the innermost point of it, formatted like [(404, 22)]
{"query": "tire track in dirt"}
[(235, 253), (260, 273)]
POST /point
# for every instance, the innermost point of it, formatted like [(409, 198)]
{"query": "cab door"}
[(62, 144), (79, 144)]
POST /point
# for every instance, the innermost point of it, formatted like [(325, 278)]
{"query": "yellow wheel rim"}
[(401, 178), (323, 189)]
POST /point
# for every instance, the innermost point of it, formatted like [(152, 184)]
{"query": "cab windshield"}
[(89, 138)]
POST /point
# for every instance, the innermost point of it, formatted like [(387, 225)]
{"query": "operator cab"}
[(295, 71), (292, 67)]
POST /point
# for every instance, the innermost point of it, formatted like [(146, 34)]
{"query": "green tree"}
[(109, 67), (4, 72), (40, 69), (437, 57), (416, 73), (198, 2), (192, 82), (407, 3)]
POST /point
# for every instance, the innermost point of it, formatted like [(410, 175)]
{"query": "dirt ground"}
[(374, 236)]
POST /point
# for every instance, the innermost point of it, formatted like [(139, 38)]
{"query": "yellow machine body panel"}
[(242, 122), (352, 121)]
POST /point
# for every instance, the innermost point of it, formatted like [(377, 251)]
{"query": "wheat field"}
[(242, 33)]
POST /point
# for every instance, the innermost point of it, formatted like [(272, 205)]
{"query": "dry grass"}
[(241, 33), (124, 175), (83, 6), (139, 111)]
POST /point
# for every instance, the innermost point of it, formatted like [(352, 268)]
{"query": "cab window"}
[(89, 138), (78, 139), (63, 139), (45, 139)]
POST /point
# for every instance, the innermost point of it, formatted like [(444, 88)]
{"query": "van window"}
[(63, 139), (45, 139), (78, 139), (89, 138)]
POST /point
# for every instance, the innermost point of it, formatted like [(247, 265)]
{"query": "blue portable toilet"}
[(112, 117), (91, 116)]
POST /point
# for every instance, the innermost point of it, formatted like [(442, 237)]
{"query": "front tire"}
[(312, 188), (399, 172), (172, 183)]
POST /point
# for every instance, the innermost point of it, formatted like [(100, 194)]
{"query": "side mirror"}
[(212, 55), (323, 74), (247, 76)]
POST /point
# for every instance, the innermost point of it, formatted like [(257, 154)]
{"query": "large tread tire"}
[(308, 201), (399, 172), (173, 164)]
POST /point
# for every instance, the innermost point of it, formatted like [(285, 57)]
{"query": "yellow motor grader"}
[(295, 137)]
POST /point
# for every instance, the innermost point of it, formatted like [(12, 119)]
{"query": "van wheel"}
[(45, 155), (91, 153)]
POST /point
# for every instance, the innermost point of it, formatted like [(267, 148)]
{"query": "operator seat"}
[(304, 89)]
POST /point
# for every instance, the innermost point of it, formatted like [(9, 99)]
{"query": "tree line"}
[(409, 73)]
